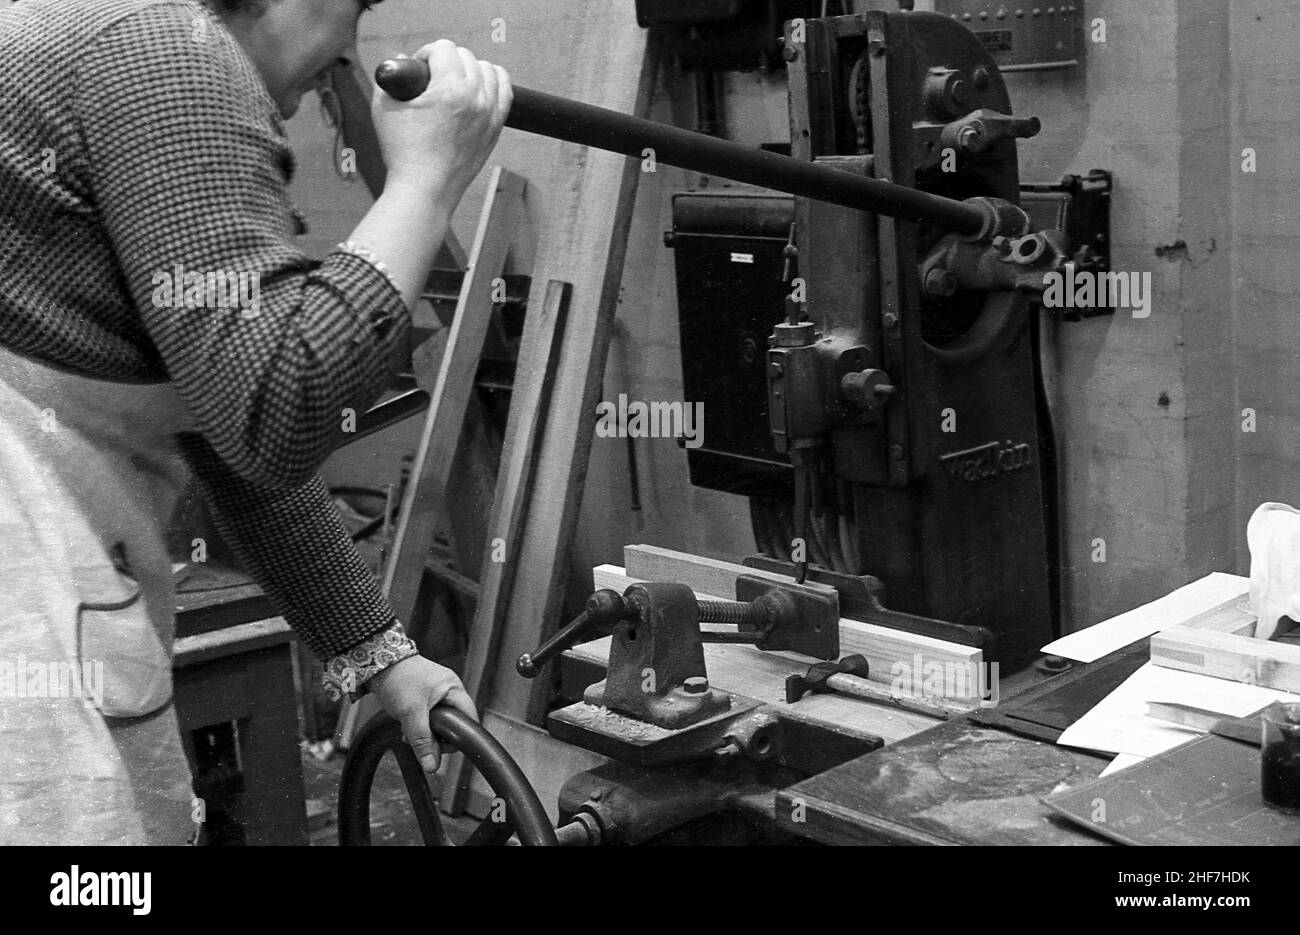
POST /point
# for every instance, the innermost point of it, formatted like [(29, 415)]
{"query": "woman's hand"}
[(409, 690), (442, 138)]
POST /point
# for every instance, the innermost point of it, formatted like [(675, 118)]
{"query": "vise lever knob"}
[(868, 390), (604, 609), (979, 130)]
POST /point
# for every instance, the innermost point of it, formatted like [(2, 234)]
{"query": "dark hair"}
[(230, 7)]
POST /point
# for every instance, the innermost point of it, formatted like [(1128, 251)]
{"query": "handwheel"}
[(524, 812)]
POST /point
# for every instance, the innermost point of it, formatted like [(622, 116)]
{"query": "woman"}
[(143, 166)]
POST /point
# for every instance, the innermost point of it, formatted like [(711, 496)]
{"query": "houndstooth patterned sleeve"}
[(188, 163), (187, 166), (294, 544)]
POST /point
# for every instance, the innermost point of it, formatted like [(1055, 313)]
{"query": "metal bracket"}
[(656, 661), (633, 740), (862, 597), (1079, 205), (810, 624)]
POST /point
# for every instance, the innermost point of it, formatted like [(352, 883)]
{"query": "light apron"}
[(90, 750)]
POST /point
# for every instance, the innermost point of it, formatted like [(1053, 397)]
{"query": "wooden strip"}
[(884, 649), (751, 673), (243, 638), (539, 357), (1232, 616), (709, 575), (425, 499), (585, 243), (1227, 656)]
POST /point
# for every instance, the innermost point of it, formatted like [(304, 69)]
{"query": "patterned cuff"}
[(349, 672), (365, 253)]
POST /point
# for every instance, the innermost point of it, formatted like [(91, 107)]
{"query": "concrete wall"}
[(1159, 460), (1265, 205), (1148, 410), (1124, 410)]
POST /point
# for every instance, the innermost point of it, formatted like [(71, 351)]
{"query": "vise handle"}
[(604, 609)]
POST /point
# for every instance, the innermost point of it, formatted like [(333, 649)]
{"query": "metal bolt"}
[(696, 685), (940, 283), (969, 137), (791, 52), (735, 613), (891, 320), (896, 452), (775, 368)]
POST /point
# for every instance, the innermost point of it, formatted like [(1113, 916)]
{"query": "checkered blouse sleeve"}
[(294, 544), (188, 170)]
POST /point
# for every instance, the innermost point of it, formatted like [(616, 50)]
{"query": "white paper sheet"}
[(1119, 723), (1121, 761), (1091, 644)]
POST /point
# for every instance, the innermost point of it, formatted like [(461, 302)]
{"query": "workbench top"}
[(975, 779)]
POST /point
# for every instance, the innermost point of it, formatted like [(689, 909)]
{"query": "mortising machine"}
[(904, 447)]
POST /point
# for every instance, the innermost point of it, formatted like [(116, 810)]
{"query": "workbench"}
[(235, 700), (975, 779), (972, 780)]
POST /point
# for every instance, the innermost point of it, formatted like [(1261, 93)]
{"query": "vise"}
[(655, 706)]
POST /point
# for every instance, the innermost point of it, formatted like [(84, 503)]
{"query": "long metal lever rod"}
[(600, 128)]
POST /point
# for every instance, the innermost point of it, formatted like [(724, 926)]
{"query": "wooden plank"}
[(751, 673), (584, 242), (535, 375), (1232, 616), (1227, 656), (884, 648), (424, 503), (236, 640), (709, 575)]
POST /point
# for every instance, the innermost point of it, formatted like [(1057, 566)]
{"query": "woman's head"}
[(292, 42)]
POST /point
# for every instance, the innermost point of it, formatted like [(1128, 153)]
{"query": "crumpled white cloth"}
[(1273, 535)]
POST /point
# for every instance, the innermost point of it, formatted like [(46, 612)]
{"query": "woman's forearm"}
[(404, 230)]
